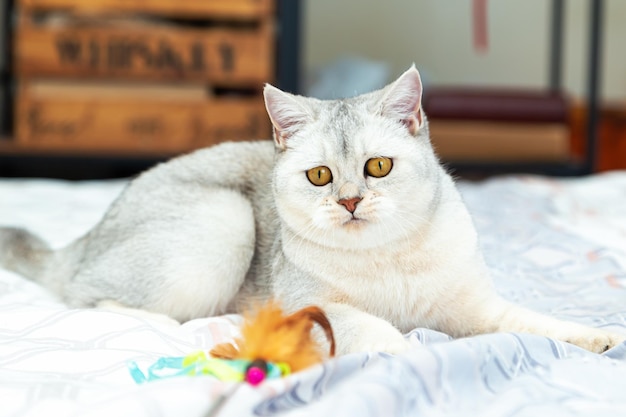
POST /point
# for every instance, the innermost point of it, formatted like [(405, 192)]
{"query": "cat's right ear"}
[(286, 114), (402, 100)]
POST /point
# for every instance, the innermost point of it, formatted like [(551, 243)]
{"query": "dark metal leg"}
[(288, 47), (556, 46), (593, 86), (6, 40)]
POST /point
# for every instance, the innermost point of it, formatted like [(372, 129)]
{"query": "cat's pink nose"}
[(350, 203)]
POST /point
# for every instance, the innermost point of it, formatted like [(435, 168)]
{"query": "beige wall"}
[(437, 36)]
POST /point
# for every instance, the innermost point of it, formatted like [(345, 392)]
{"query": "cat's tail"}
[(28, 255)]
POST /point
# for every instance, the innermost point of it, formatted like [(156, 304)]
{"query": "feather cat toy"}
[(272, 337), (271, 345)]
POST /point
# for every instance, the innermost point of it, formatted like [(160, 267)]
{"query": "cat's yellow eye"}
[(378, 167), (319, 176)]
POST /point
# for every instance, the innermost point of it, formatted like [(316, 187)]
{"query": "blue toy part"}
[(200, 363)]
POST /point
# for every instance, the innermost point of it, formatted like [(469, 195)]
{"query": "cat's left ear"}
[(286, 114), (403, 99)]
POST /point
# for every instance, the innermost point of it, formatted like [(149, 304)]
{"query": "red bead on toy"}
[(256, 371), (255, 376)]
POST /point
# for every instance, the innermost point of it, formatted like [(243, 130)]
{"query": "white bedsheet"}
[(557, 246)]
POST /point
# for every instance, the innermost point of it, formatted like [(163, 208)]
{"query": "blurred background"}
[(106, 88), (438, 37)]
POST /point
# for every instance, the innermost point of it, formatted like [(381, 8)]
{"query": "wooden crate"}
[(143, 50), (131, 77), (223, 9), (132, 119)]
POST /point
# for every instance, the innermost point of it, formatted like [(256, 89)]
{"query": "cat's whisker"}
[(302, 236)]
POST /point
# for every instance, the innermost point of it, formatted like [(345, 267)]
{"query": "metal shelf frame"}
[(588, 164)]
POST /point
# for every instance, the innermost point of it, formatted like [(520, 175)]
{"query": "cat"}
[(348, 208)]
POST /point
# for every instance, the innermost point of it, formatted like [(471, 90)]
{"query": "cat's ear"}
[(402, 100), (286, 114)]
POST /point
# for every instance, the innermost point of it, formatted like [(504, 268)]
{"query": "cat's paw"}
[(596, 341), (393, 343)]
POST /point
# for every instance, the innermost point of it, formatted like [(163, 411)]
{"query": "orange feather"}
[(269, 334)]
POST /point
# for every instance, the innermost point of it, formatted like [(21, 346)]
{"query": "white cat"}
[(348, 209)]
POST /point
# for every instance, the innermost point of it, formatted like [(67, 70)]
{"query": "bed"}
[(557, 246)]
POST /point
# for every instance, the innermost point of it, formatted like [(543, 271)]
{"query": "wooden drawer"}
[(144, 119), (612, 137), (223, 9), (488, 142), (144, 50)]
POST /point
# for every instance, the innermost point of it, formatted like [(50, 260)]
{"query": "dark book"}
[(491, 104)]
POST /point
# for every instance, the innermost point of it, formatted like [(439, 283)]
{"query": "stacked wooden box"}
[(141, 76)]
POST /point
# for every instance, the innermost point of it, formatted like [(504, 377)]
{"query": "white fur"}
[(223, 250)]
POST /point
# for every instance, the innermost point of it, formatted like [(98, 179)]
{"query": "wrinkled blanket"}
[(557, 246)]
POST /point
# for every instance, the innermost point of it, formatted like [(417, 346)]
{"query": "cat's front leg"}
[(357, 331), (518, 319), (497, 315)]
